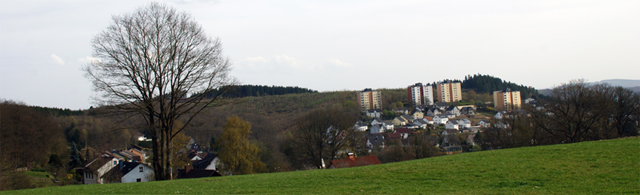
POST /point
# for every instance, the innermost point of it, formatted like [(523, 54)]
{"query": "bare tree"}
[(148, 62), (322, 134)]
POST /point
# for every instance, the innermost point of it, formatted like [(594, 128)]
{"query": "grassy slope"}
[(600, 167)]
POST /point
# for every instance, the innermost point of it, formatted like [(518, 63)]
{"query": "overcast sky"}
[(338, 45)]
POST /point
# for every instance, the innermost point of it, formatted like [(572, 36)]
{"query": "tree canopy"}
[(148, 62), (237, 154)]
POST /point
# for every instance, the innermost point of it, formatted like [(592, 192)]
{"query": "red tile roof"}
[(356, 162)]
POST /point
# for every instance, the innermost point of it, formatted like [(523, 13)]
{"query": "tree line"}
[(574, 112), (257, 91)]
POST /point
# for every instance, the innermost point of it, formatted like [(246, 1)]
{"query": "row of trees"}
[(259, 90), (574, 112)]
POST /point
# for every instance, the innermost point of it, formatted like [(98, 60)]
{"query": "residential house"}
[(420, 123), (353, 161), (429, 120), (441, 105), (440, 119), (128, 172), (360, 126), (400, 121), (379, 128), (388, 125), (404, 132), (374, 113), (433, 112), (376, 121), (465, 123), (417, 113), (449, 137), (400, 111), (209, 162), (375, 141), (409, 118), (484, 124), (95, 169), (468, 111), (452, 125), (499, 115), (453, 110)]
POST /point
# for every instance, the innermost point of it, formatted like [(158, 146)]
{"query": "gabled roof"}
[(408, 117), (120, 170), (440, 104), (450, 108), (452, 122), (356, 162), (428, 118), (360, 124), (206, 161), (376, 139), (377, 120), (483, 121)]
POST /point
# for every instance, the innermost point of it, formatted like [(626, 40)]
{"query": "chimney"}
[(351, 156)]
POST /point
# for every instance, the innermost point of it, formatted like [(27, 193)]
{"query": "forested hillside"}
[(488, 84), (260, 90)]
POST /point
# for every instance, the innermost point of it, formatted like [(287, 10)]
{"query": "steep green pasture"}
[(598, 167)]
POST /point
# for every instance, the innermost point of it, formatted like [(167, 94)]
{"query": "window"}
[(139, 180), (141, 168)]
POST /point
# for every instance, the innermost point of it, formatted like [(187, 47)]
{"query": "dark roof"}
[(440, 104), (120, 170), (196, 173), (376, 139), (206, 161), (374, 110), (360, 123), (356, 162), (451, 108)]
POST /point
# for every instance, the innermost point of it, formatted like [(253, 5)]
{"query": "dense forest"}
[(57, 111), (259, 90), (488, 84)]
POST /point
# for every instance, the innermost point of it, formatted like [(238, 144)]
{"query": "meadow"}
[(596, 167)]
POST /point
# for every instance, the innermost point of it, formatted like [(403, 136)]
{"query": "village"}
[(447, 126)]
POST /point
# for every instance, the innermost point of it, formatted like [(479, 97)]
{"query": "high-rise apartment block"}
[(420, 94), (369, 99), (449, 91), (506, 100)]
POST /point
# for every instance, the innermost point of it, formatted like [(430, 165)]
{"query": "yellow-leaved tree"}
[(237, 154)]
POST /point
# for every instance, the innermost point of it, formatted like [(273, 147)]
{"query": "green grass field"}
[(598, 167)]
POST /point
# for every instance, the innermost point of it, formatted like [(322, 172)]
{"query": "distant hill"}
[(488, 84), (633, 85), (626, 83), (596, 167)]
